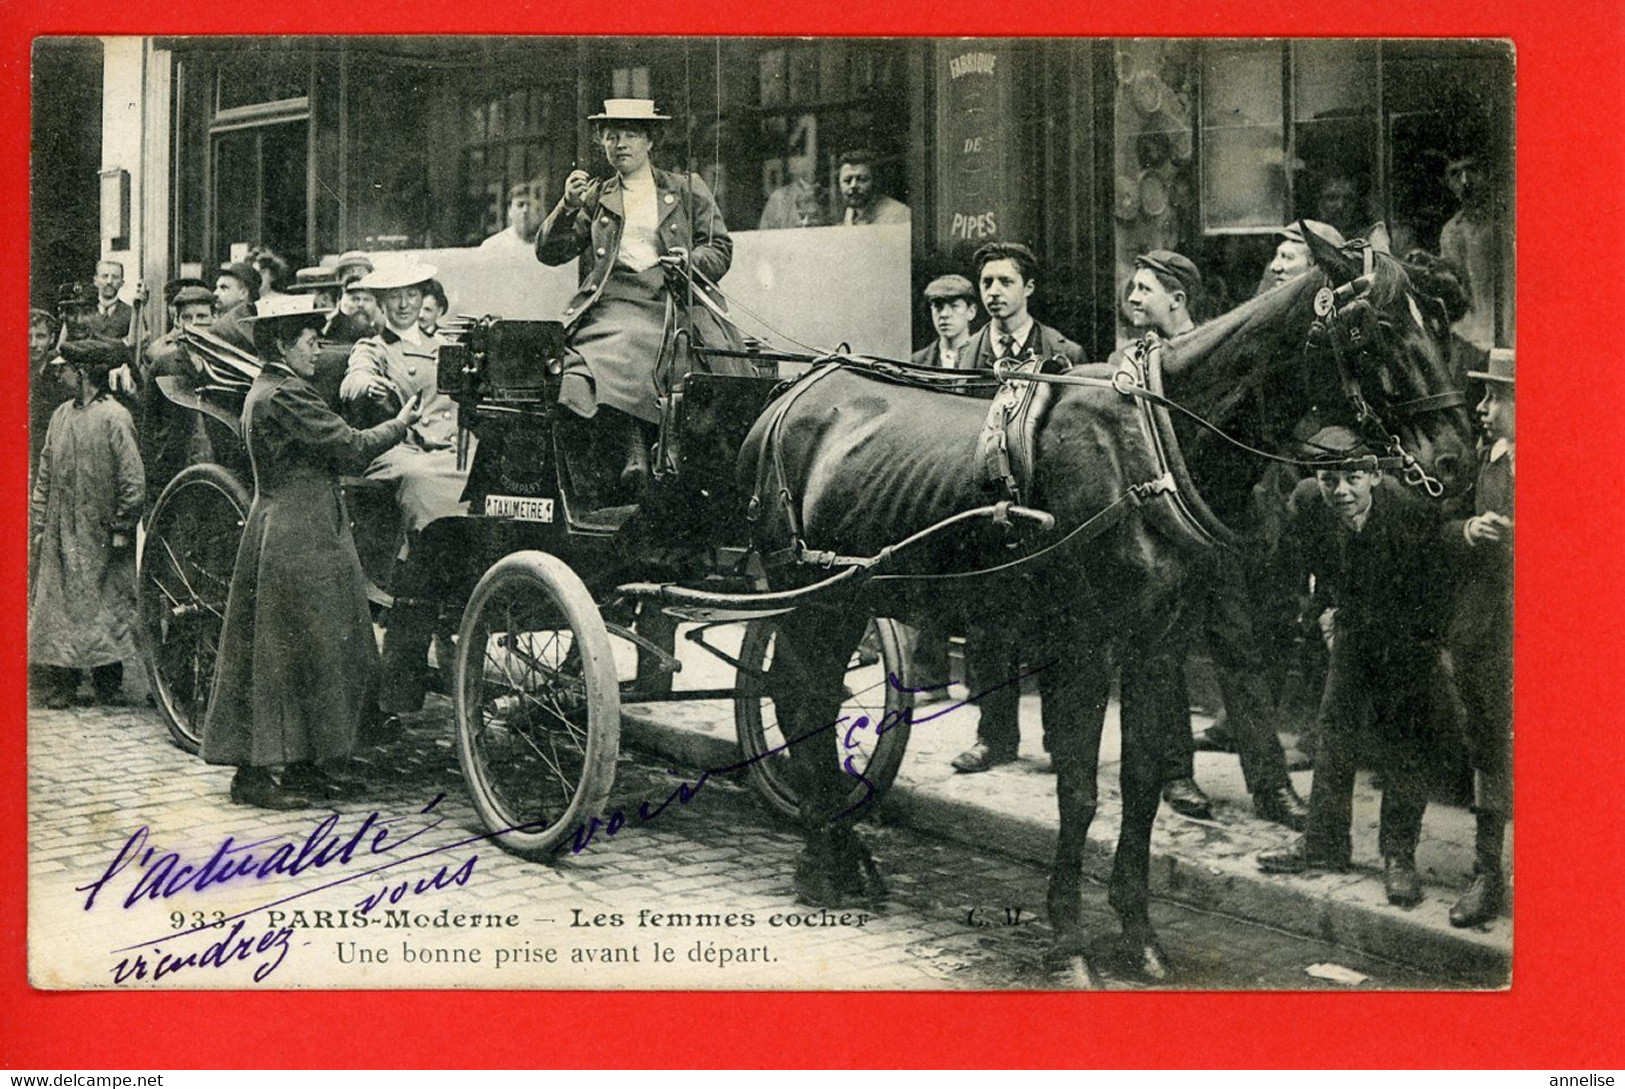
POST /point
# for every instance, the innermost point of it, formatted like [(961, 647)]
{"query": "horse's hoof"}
[(871, 884), (1073, 972), (814, 886), (1145, 959)]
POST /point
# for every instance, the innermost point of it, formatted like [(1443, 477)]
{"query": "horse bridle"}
[(1349, 327)]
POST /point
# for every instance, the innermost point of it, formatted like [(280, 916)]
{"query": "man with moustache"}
[(862, 203)]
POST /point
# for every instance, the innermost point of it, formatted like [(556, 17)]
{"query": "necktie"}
[(1007, 346)]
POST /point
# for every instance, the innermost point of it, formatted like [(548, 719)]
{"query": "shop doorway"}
[(262, 189)]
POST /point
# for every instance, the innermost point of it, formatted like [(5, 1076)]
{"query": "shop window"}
[(257, 76), (1244, 177), (804, 105), (1288, 130), (630, 82), (393, 155), (512, 139)]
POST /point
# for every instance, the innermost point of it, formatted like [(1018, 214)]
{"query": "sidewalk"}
[(1206, 864)]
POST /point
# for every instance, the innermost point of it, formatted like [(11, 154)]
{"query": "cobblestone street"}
[(958, 917)]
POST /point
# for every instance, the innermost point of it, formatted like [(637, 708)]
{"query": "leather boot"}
[(257, 787), (1187, 799), (1483, 898), (1400, 882), (635, 473)]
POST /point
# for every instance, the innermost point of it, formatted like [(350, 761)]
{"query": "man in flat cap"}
[(171, 436), (1373, 551), (235, 287), (952, 302), (1161, 296), (1479, 548), (1293, 257), (388, 370), (1165, 288), (86, 501)]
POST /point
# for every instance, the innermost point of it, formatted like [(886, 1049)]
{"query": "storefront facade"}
[(1091, 151)]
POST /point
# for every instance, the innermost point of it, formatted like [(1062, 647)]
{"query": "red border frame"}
[(1571, 173)]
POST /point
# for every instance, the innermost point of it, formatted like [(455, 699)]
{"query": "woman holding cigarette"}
[(644, 232)]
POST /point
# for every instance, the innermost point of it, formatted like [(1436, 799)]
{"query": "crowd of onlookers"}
[(1409, 610), (1394, 610)]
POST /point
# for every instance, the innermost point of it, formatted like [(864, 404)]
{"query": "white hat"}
[(403, 272), (629, 109), (286, 306)]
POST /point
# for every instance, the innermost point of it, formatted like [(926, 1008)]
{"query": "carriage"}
[(542, 634), (858, 493)]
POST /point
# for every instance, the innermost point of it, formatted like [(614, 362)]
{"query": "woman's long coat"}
[(298, 662), (689, 220)]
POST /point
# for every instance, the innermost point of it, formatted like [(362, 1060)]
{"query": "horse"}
[(860, 461)]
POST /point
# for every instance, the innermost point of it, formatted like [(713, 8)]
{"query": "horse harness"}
[(1346, 324)]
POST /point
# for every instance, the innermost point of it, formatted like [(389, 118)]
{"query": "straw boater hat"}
[(1498, 369), (315, 278), (277, 307), (408, 272), (352, 259), (275, 315), (629, 109)]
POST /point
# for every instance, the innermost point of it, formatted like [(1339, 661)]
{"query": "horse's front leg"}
[(1150, 715), (1074, 693), (810, 654)]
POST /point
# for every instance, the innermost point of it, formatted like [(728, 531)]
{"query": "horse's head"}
[(1387, 339)]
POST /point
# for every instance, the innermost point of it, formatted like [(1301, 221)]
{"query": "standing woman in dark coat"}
[(298, 663), (638, 233)]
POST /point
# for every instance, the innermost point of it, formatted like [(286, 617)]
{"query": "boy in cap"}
[(952, 302), (1165, 289), (86, 500), (1162, 293), (1480, 548), (1372, 549)]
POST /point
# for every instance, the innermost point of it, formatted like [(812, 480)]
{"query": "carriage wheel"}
[(876, 756), (181, 588), (538, 704)]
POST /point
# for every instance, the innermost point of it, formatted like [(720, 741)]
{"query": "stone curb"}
[(1349, 910)]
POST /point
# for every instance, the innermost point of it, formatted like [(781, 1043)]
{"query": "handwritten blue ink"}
[(586, 832)]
